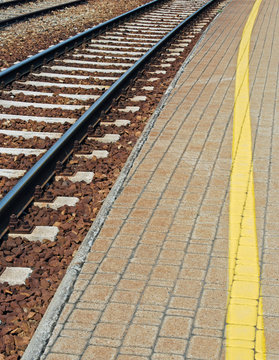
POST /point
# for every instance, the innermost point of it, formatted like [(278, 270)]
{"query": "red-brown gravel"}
[(28, 37)]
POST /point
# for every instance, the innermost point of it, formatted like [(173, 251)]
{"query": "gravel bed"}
[(25, 8), (28, 37)]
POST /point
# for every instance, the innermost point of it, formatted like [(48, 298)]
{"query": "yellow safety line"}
[(244, 328)]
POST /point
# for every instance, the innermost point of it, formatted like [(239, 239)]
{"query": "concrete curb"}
[(45, 328)]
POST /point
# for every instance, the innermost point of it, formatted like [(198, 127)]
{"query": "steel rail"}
[(25, 66), (38, 12), (43, 170)]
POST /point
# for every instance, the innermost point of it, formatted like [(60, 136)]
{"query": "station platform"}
[(166, 277)]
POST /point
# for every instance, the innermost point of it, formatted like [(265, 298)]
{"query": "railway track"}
[(77, 98), (60, 92), (19, 10)]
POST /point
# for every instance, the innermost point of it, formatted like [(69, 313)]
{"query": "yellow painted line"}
[(244, 324)]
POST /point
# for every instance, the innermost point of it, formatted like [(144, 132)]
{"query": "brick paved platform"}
[(154, 285)]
